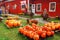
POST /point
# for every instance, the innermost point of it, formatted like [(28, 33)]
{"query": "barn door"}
[(33, 8)]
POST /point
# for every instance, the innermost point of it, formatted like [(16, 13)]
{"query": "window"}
[(23, 5), (38, 7), (52, 6)]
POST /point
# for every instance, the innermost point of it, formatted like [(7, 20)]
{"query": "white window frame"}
[(40, 7), (50, 7), (21, 7), (33, 8), (23, 3)]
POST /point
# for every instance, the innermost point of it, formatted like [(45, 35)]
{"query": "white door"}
[(33, 8)]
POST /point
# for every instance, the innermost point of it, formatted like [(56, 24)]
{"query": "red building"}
[(16, 6), (37, 6), (52, 6)]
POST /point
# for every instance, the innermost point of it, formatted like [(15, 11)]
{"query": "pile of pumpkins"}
[(53, 26), (13, 23), (36, 32)]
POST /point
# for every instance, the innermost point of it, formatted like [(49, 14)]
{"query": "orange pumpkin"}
[(15, 24), (25, 32), (36, 37), (52, 32), (39, 32), (49, 29), (10, 24), (49, 33), (57, 26), (18, 23), (43, 35), (31, 34), (53, 27)]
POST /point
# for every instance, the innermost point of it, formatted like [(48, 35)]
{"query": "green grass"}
[(55, 20), (13, 34), (27, 16), (10, 34)]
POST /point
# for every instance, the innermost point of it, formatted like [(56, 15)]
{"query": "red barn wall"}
[(18, 8), (45, 4)]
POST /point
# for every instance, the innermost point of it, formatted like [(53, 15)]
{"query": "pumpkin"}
[(39, 32), (25, 32), (20, 30), (10, 24), (49, 29), (52, 33), (43, 35), (49, 33), (31, 34), (19, 22), (36, 37), (15, 24), (53, 27), (57, 26)]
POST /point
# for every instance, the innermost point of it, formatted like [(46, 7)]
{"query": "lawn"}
[(13, 34)]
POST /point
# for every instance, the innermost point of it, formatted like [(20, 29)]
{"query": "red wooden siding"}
[(18, 8), (45, 4)]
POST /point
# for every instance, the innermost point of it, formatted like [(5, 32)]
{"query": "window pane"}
[(52, 6), (38, 7)]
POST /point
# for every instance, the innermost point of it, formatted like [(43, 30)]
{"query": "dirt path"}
[(39, 20)]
